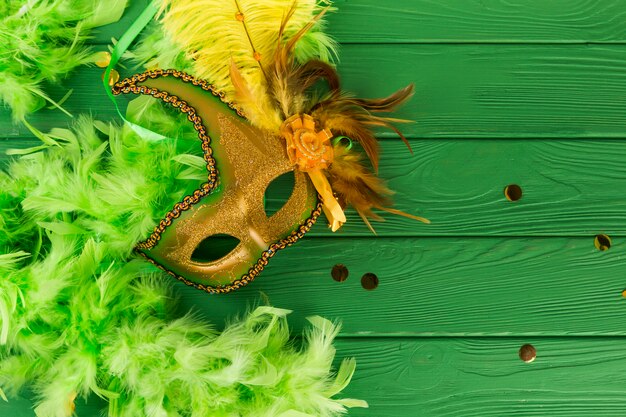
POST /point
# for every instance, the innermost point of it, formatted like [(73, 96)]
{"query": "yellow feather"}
[(214, 32), (254, 103)]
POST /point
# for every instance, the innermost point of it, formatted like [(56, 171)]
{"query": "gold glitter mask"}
[(241, 163)]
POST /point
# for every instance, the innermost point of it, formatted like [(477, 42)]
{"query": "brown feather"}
[(288, 82), (291, 87), (353, 117), (358, 187), (315, 70), (385, 122), (387, 104), (355, 185), (348, 124)]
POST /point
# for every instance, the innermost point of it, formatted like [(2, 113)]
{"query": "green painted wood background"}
[(531, 92)]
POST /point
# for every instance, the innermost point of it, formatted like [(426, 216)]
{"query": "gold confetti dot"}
[(602, 242), (102, 59), (114, 77)]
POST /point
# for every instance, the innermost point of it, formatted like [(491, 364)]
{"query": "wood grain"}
[(450, 377), (479, 21), (443, 286), (460, 21), (570, 188), (462, 91), (497, 91), (485, 378)]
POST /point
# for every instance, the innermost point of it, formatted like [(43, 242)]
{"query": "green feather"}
[(42, 41), (79, 314)]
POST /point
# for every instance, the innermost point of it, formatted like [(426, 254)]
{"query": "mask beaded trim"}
[(256, 269), (128, 85)]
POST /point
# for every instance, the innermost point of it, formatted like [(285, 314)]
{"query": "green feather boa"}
[(41, 41), (79, 315)]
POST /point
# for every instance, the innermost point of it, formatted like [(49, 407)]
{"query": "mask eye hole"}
[(278, 192), (214, 247)]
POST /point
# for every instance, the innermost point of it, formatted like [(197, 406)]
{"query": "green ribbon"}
[(122, 46), (340, 139)]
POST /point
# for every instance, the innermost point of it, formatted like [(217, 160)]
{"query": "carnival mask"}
[(241, 161), (285, 123)]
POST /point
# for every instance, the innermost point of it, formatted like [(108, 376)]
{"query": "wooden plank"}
[(459, 21), (497, 91), (443, 286), (22, 406), (573, 377), (570, 188), (462, 91), (479, 21)]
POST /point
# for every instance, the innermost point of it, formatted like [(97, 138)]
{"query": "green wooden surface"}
[(485, 378), (480, 21), (462, 91), (472, 377), (445, 286), (530, 92), (461, 21)]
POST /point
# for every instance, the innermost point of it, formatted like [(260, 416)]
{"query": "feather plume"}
[(356, 186), (41, 42), (353, 117), (290, 84), (289, 81), (215, 32), (79, 315), (260, 112)]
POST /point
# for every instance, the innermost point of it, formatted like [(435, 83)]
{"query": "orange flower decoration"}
[(307, 148), (312, 152)]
